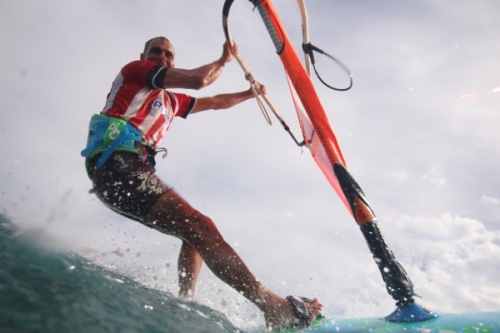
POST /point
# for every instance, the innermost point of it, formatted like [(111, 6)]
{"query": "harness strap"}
[(113, 146), (109, 134)]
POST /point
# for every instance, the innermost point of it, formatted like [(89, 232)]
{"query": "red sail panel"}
[(315, 146), (305, 89), (318, 120)]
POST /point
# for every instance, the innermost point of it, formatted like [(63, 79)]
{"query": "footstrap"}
[(299, 311)]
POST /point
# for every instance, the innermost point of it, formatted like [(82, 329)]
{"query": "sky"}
[(418, 131)]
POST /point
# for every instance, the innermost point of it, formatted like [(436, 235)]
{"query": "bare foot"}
[(281, 315), (313, 309)]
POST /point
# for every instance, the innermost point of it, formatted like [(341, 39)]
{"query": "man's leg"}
[(173, 215), (189, 266)]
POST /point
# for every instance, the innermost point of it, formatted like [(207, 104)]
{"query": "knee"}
[(204, 232), (203, 226)]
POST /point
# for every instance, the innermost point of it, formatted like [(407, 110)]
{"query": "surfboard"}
[(474, 322)]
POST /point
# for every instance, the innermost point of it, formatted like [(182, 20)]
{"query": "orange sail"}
[(313, 142), (326, 149), (321, 141)]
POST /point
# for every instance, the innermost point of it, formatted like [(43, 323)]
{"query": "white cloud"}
[(435, 176), (490, 200)]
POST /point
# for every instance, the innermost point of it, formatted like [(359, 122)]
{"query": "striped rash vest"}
[(137, 96)]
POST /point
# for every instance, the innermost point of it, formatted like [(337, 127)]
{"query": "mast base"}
[(410, 313)]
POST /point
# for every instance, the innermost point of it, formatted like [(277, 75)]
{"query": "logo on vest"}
[(158, 106), (114, 131)]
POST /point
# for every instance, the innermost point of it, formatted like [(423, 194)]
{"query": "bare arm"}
[(224, 101), (197, 78)]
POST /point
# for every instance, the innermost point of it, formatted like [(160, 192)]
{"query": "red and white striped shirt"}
[(135, 97)]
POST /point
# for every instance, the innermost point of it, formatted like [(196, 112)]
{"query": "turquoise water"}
[(47, 291)]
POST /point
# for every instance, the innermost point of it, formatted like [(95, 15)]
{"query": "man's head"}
[(160, 51)]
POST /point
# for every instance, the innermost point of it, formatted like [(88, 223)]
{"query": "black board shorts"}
[(127, 184)]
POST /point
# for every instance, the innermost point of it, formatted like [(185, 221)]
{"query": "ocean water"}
[(51, 291)]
